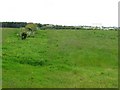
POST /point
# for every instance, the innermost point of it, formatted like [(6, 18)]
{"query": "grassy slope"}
[(60, 59), (0, 58)]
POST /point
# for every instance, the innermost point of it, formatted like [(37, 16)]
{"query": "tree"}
[(31, 26), (31, 29)]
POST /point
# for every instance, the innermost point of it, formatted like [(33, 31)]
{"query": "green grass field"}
[(60, 59)]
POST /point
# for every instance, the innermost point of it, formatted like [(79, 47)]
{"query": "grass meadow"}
[(60, 59)]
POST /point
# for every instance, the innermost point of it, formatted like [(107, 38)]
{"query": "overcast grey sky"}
[(63, 12)]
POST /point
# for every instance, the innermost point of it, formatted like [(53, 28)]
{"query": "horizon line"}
[(62, 24)]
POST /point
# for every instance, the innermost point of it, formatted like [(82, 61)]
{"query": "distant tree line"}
[(16, 24), (51, 26), (13, 24), (41, 26), (58, 27)]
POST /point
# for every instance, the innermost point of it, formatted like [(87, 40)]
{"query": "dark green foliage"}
[(14, 24), (33, 62)]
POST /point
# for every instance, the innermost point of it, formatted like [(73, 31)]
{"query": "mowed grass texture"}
[(60, 59)]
